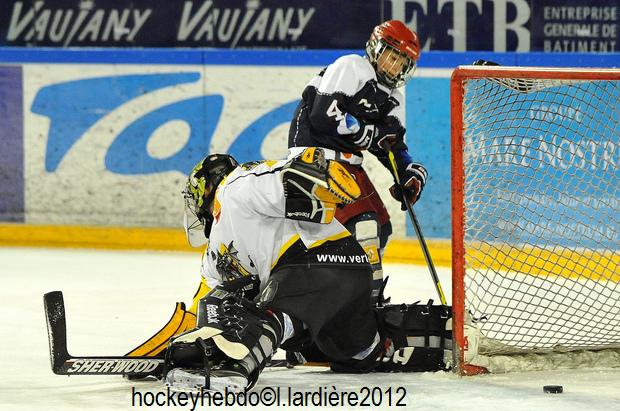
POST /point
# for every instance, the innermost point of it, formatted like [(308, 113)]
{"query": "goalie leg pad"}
[(420, 334), (233, 342), (365, 228), (180, 321)]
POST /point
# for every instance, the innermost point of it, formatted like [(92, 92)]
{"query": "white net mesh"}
[(542, 213)]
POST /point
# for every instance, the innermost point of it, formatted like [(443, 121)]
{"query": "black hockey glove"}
[(481, 62), (390, 134), (412, 180), (384, 133)]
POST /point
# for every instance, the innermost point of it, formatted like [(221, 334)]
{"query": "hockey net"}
[(536, 218)]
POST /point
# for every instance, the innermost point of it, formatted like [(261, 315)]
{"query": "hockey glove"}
[(413, 179), (385, 133), (314, 186), (389, 134), (481, 62)]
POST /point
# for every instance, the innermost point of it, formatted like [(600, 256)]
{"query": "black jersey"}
[(340, 106)]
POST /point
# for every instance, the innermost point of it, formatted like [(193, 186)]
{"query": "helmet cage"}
[(375, 48), (196, 229), (199, 193)]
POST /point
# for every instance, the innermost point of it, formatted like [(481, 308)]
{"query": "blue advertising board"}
[(152, 121), (12, 138)]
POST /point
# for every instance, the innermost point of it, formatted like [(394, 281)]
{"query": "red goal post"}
[(535, 226)]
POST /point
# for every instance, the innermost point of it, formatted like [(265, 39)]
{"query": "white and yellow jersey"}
[(249, 232)]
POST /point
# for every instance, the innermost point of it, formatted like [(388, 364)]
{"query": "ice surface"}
[(116, 299)]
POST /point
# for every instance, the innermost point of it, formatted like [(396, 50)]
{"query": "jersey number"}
[(334, 111)]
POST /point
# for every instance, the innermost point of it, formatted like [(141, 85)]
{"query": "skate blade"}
[(186, 380)]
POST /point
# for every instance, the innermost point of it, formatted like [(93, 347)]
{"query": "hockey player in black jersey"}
[(352, 106)]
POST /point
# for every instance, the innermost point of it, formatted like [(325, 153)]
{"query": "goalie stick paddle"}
[(65, 364), (418, 231)]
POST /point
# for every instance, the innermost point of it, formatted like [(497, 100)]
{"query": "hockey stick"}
[(65, 364), (416, 226)]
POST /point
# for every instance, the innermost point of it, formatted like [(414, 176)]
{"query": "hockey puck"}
[(553, 389)]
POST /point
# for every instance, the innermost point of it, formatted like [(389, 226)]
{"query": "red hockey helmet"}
[(389, 39)]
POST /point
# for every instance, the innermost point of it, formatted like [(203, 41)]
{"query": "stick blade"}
[(54, 305)]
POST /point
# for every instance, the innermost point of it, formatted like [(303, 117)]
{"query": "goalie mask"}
[(393, 51), (199, 193)]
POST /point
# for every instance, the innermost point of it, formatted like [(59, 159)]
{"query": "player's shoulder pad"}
[(346, 75)]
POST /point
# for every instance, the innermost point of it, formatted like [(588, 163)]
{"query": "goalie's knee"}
[(231, 330)]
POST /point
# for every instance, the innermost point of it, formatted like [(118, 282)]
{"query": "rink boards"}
[(99, 143)]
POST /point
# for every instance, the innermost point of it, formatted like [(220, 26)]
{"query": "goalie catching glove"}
[(314, 186)]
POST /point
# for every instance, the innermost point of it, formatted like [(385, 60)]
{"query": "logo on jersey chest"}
[(364, 102), (228, 263)]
